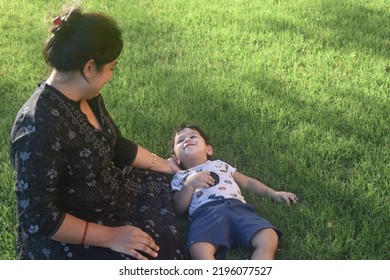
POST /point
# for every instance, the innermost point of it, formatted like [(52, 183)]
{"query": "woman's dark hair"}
[(78, 37), (190, 126)]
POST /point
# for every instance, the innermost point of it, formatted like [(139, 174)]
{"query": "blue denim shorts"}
[(226, 223)]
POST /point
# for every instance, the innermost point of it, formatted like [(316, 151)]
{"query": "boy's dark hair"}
[(78, 37), (190, 126)]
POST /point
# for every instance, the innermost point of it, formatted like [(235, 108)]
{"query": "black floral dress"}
[(65, 165)]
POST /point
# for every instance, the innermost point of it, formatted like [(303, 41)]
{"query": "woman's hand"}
[(131, 241), (174, 165)]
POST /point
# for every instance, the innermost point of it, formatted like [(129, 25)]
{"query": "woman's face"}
[(102, 77)]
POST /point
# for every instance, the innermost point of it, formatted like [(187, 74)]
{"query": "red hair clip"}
[(57, 21)]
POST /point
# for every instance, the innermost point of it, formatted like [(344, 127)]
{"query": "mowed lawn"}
[(294, 93)]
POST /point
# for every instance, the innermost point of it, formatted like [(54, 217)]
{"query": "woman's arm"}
[(147, 160)]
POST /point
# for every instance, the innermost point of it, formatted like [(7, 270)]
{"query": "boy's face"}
[(189, 145)]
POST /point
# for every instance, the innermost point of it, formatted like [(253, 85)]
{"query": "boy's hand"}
[(200, 180), (286, 197)]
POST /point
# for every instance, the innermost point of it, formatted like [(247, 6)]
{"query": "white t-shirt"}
[(225, 186)]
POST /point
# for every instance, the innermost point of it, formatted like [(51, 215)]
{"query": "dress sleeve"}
[(125, 152), (38, 158)]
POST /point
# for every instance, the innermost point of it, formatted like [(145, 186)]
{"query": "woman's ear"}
[(89, 69)]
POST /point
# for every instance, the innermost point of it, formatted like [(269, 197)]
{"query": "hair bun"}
[(73, 16), (78, 37)]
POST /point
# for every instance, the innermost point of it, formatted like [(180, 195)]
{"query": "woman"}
[(77, 196)]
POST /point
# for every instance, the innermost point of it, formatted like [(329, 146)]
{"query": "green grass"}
[(294, 93)]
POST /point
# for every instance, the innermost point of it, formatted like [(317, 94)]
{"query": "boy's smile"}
[(187, 144), (190, 148)]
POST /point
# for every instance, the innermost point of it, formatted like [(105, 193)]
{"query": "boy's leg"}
[(264, 243), (203, 251)]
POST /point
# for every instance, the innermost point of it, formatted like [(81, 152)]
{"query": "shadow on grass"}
[(280, 128), (341, 25), (337, 171)]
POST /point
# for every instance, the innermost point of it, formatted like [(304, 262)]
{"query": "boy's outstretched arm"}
[(258, 187)]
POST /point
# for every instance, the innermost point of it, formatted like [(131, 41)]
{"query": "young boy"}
[(210, 192)]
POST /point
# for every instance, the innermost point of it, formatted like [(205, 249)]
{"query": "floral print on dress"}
[(65, 165)]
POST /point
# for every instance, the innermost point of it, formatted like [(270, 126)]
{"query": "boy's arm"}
[(182, 198), (258, 187)]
